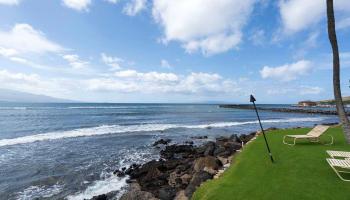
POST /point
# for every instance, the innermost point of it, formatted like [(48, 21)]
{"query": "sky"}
[(169, 51)]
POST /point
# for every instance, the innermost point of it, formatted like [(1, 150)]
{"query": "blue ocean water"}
[(69, 151)]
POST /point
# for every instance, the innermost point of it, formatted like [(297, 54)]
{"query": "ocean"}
[(69, 151)]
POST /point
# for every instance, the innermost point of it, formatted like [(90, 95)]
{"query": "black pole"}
[(252, 99)]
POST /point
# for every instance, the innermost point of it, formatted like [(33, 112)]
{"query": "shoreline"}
[(286, 110), (181, 167)]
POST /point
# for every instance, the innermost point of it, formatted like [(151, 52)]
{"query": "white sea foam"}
[(34, 192), (113, 129), (104, 186), (13, 108)]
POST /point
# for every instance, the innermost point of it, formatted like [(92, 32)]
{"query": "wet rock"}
[(119, 173), (177, 151), (200, 137), (100, 197), (189, 142), (162, 142)]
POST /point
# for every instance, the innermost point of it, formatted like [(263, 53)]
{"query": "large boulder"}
[(177, 151), (209, 164), (135, 193), (209, 148), (166, 193), (197, 179)]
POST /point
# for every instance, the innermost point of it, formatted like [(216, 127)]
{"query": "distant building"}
[(307, 103)]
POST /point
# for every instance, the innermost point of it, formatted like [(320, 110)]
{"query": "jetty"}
[(287, 110)]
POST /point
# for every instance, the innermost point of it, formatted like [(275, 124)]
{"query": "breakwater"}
[(290, 110)]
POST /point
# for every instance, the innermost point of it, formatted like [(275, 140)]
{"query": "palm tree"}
[(336, 71)]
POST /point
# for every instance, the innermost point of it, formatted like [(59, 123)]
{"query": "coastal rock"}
[(245, 138), (181, 195), (177, 151), (100, 197), (119, 173), (181, 169), (200, 137), (162, 142), (167, 193), (208, 163), (135, 193), (185, 179), (209, 148), (197, 179)]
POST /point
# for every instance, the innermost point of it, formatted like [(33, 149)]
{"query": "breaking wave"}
[(113, 129)]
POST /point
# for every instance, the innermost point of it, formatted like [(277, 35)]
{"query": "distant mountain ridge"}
[(7, 95)]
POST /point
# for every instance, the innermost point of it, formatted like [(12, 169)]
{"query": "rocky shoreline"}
[(288, 110), (180, 169)]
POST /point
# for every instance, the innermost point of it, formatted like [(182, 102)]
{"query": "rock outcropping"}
[(181, 169)]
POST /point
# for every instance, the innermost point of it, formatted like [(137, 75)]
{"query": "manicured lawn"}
[(300, 171)]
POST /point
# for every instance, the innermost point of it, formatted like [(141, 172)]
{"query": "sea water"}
[(69, 151)]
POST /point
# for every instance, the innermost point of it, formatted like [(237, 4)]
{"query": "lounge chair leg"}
[(336, 171), (284, 142), (332, 140)]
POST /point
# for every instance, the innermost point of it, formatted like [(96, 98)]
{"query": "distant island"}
[(13, 96)]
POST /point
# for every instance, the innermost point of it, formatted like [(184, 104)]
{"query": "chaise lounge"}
[(313, 136), (339, 163)]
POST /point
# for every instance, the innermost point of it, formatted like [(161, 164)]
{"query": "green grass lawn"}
[(299, 172)]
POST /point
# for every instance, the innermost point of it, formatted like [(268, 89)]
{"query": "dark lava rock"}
[(177, 151), (197, 179), (119, 173), (189, 142), (209, 148), (100, 197), (162, 141), (200, 137), (166, 193), (245, 138)]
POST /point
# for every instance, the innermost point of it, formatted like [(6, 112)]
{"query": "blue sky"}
[(172, 51)]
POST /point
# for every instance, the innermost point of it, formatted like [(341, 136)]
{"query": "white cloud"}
[(155, 82), (113, 62), (7, 52), (258, 37), (80, 5), (287, 72), (304, 90), (165, 64), (298, 15), (23, 38), (112, 1), (75, 61), (149, 76), (209, 26), (133, 7), (9, 2), (300, 90)]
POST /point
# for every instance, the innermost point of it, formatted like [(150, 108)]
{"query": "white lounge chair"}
[(338, 163), (313, 136), (339, 154)]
